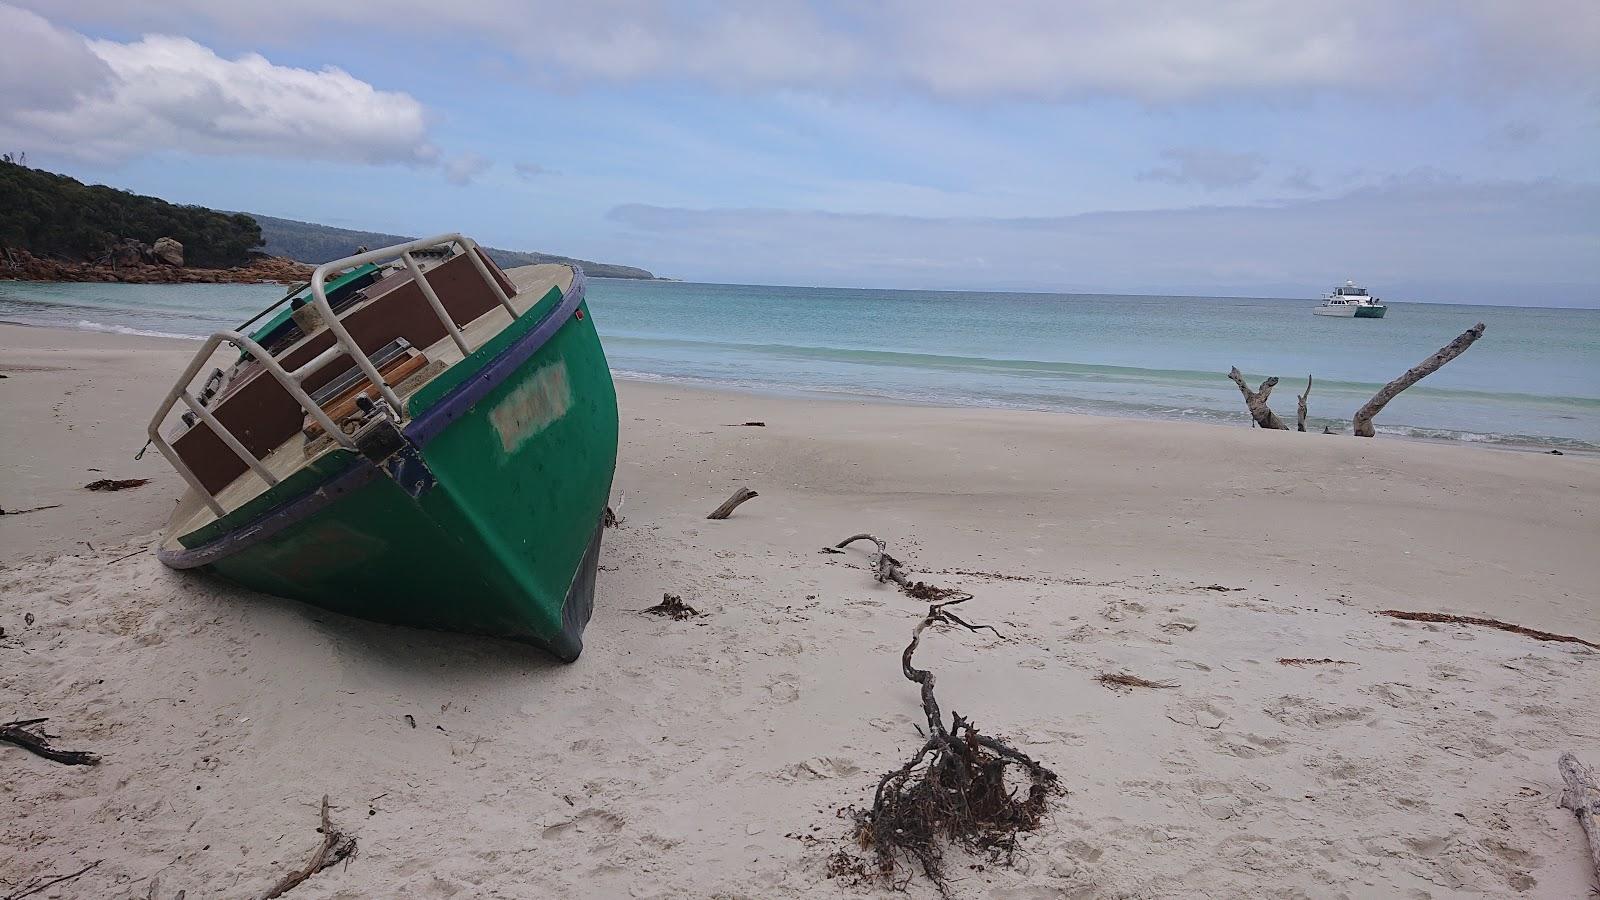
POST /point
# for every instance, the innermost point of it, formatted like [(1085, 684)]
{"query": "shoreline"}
[(711, 757), (1517, 443)]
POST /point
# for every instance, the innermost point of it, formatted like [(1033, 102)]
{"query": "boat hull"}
[(1351, 311), (485, 518)]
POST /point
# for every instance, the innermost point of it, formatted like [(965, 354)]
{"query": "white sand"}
[(709, 757)]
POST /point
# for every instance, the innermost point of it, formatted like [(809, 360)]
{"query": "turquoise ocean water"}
[(1532, 381)]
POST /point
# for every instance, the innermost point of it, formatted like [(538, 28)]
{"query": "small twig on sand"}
[(37, 885), (128, 556), (1287, 661), (672, 606), (1448, 619), (336, 846), (18, 512), (886, 568), (1582, 796), (1129, 680), (21, 733), (732, 503)]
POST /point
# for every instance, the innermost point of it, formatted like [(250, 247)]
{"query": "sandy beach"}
[(712, 757)]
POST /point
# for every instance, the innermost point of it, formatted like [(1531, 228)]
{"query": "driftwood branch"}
[(1364, 415), (335, 846), (732, 503), (22, 733), (954, 787), (1300, 417), (39, 884), (1582, 796), (1256, 401)]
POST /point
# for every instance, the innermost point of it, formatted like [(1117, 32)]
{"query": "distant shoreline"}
[(267, 269)]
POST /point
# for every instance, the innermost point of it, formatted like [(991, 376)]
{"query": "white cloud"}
[(1208, 168), (1422, 237), (43, 67), (108, 100), (1155, 51), (460, 170)]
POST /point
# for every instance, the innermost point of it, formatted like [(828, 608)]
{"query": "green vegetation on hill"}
[(56, 216), (314, 244)]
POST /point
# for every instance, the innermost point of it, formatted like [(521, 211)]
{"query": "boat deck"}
[(532, 283)]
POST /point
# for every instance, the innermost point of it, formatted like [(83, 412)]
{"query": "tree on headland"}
[(56, 216)]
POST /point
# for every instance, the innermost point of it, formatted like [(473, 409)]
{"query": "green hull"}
[(1371, 312), (487, 520)]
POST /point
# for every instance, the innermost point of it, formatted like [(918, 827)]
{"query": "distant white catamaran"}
[(1351, 302)]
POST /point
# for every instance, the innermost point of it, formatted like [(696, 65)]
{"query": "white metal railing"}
[(343, 344)]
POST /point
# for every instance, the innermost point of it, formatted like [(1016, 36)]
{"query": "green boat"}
[(415, 437)]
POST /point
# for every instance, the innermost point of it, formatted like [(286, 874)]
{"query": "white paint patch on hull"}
[(532, 406)]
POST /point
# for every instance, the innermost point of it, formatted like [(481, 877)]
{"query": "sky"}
[(1435, 150)]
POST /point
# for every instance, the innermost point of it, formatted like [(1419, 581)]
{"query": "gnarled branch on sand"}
[(1256, 401), (1582, 796), (335, 846), (29, 734), (954, 787), (1364, 415)]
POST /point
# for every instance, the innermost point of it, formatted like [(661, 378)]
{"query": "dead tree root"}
[(961, 787)]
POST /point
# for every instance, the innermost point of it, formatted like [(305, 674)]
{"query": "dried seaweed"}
[(115, 484), (1129, 680), (1449, 619), (672, 606)]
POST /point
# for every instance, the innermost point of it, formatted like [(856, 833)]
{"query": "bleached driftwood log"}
[(1363, 419), (1583, 798), (1300, 420), (732, 503), (1256, 401)]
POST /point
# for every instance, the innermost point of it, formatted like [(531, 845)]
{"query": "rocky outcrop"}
[(129, 252), (125, 263), (167, 251)]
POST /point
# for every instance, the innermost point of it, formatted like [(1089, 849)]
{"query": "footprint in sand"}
[(783, 692), (590, 821), (1197, 713), (1303, 711), (820, 767)]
